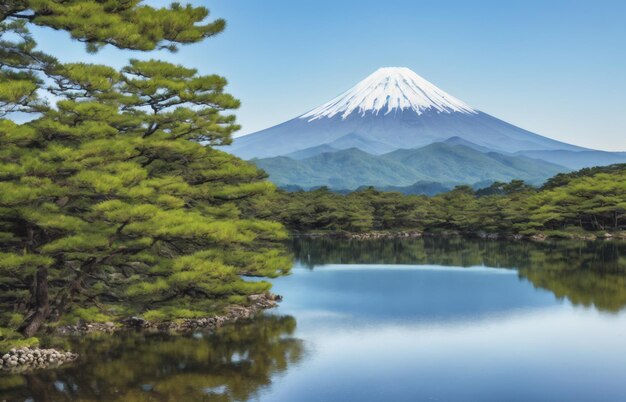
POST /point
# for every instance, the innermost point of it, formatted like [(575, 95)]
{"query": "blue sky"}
[(557, 67)]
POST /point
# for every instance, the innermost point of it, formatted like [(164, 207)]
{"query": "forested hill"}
[(583, 203), (440, 162)]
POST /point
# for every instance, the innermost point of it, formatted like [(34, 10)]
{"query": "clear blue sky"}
[(557, 68)]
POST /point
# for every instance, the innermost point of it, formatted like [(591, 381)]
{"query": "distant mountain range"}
[(439, 162), (397, 129)]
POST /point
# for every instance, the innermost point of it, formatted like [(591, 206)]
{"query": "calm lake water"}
[(404, 320)]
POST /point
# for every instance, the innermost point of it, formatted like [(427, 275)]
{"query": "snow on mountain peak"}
[(390, 89)]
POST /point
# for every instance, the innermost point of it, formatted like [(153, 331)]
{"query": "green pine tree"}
[(114, 202)]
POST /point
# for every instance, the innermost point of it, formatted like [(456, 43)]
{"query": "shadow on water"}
[(234, 364), (591, 274)]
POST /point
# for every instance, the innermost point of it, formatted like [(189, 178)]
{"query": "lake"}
[(395, 320)]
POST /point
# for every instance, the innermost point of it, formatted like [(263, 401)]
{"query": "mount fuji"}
[(391, 109), (395, 128)]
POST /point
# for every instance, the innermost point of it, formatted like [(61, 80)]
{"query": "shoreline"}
[(20, 360), (415, 234), (259, 303)]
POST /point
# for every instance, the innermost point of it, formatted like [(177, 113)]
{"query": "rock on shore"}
[(384, 235), (33, 358)]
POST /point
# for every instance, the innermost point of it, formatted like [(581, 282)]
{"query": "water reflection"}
[(380, 295), (427, 319), (399, 320), (234, 364), (585, 273)]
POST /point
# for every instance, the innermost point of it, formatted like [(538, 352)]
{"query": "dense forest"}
[(110, 204), (581, 203)]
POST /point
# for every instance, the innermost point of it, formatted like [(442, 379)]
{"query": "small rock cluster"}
[(384, 235), (488, 236), (83, 328), (27, 358)]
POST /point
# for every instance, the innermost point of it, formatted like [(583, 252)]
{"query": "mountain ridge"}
[(440, 162)]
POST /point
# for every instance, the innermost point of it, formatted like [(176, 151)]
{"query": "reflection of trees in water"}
[(587, 273), (233, 364)]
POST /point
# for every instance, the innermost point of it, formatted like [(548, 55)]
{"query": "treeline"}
[(589, 200)]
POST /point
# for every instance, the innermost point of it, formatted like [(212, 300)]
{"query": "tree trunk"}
[(41, 309)]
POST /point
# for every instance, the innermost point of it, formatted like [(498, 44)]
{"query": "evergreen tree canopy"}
[(110, 204), (590, 200)]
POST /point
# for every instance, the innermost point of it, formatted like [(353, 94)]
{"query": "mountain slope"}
[(309, 152), (346, 169), (348, 141), (461, 141), (370, 146), (398, 108), (460, 163), (440, 162)]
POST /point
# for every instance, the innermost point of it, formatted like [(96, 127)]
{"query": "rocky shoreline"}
[(407, 234), (26, 359), (258, 303), (385, 235), (374, 235)]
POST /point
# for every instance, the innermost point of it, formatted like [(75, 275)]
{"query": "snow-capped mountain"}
[(388, 90), (391, 109)]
